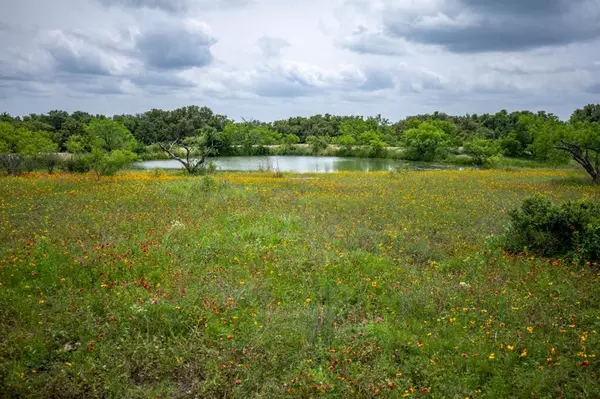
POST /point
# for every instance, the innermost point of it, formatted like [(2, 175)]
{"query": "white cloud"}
[(276, 58)]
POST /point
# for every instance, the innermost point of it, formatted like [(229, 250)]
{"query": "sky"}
[(274, 59)]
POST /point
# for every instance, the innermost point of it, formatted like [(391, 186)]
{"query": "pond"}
[(303, 164)]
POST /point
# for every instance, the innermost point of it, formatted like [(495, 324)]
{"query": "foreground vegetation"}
[(252, 285)]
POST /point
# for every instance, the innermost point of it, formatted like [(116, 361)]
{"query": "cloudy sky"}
[(271, 59)]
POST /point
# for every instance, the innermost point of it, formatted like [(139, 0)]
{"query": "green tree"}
[(317, 143), (482, 151), (109, 163), (109, 135), (264, 135), (511, 146), (353, 127), (581, 140), (290, 140), (196, 149), (424, 143), (108, 145), (373, 141), (347, 142), (546, 133), (589, 113), (17, 144), (71, 127)]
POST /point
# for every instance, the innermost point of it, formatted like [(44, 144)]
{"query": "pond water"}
[(302, 164)]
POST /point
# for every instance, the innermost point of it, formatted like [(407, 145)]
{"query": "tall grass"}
[(253, 285)]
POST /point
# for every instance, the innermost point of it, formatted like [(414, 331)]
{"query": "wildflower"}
[(524, 353), (530, 330), (492, 356), (69, 364), (308, 300), (374, 284)]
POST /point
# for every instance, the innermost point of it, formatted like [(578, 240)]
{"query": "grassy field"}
[(252, 285)]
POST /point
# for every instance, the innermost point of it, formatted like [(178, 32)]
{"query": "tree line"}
[(191, 134)]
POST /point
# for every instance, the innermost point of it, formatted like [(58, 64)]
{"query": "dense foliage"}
[(17, 144), (482, 138), (571, 229)]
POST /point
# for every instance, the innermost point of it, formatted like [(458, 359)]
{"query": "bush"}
[(50, 161), (77, 163), (317, 143), (425, 143), (109, 163), (511, 146), (207, 168), (483, 152), (571, 229)]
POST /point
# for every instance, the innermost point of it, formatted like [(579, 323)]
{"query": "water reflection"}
[(303, 164)]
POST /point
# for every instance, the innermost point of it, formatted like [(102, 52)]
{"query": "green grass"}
[(257, 285)]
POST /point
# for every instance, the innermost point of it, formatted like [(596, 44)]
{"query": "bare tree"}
[(196, 149)]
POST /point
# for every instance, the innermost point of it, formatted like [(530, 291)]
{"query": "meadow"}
[(262, 285)]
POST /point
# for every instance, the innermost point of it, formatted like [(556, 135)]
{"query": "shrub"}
[(317, 143), (425, 143), (207, 168), (50, 161), (483, 152), (109, 163), (77, 163), (18, 145), (571, 229), (511, 146)]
